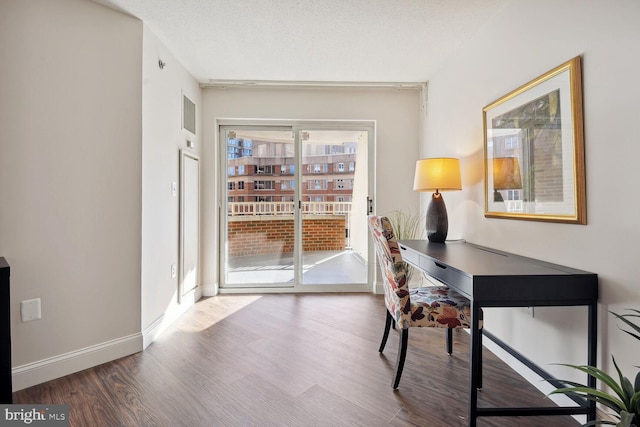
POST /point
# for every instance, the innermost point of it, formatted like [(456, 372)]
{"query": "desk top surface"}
[(474, 260)]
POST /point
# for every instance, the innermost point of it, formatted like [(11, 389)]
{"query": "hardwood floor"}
[(287, 360)]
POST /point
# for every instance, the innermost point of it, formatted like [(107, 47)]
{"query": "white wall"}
[(398, 119), (70, 182), (163, 138), (524, 41)]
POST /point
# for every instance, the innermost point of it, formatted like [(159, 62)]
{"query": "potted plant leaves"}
[(624, 397)]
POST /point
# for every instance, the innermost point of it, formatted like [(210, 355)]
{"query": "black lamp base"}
[(437, 221)]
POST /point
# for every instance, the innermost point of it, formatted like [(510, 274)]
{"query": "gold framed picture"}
[(534, 150)]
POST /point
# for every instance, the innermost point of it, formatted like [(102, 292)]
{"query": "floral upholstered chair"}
[(431, 306)]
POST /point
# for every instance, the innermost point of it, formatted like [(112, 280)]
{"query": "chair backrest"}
[(394, 280)]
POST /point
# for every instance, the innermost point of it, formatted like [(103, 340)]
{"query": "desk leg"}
[(592, 342), (475, 358)]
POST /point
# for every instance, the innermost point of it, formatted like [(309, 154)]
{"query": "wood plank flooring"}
[(288, 360)]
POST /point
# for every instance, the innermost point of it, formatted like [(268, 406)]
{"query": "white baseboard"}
[(153, 331), (210, 290), (58, 366), (173, 313)]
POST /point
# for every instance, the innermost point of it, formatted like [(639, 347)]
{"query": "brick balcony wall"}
[(269, 235)]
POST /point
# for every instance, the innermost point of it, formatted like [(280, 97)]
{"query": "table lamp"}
[(506, 176), (439, 174)]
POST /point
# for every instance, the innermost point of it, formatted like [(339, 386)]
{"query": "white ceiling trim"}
[(311, 84)]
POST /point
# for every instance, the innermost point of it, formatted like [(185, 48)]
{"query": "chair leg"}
[(449, 341), (402, 353), (387, 326)]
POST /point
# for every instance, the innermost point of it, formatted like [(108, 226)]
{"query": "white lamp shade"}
[(442, 174)]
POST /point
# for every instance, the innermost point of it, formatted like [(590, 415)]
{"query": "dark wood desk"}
[(492, 278)]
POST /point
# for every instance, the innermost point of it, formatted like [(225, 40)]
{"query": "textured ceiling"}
[(312, 40)]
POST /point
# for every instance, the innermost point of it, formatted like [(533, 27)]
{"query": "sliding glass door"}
[(260, 222), (294, 207), (334, 193)]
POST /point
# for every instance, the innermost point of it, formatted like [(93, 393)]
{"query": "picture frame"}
[(534, 166)]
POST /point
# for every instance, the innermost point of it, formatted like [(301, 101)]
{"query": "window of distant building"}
[(317, 184), (340, 167), (232, 186), (231, 170), (240, 185), (265, 185), (240, 169), (352, 166), (287, 169), (287, 185), (264, 170)]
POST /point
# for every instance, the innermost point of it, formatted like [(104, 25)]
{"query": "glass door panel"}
[(334, 189), (259, 226)]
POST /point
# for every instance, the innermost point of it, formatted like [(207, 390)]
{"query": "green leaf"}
[(636, 385), (634, 404), (596, 395), (599, 375), (628, 389), (624, 383), (635, 327), (625, 419)]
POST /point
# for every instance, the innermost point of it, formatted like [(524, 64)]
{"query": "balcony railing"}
[(287, 208)]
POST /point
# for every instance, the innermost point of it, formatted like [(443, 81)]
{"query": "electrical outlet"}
[(173, 271), (30, 310)]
